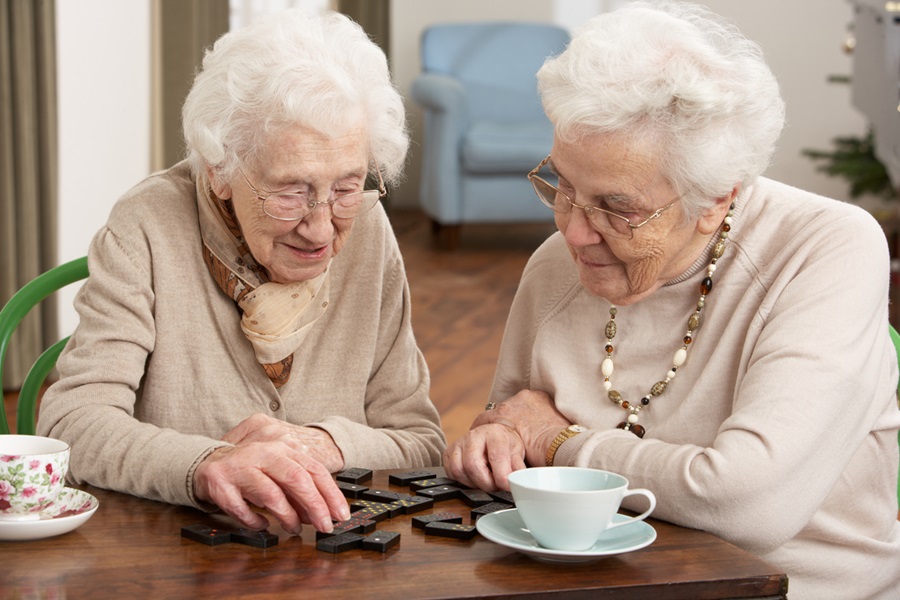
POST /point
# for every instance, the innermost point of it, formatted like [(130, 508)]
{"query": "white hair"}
[(321, 72), (678, 80)]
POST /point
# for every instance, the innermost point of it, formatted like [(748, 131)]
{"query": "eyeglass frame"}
[(382, 192), (588, 210)]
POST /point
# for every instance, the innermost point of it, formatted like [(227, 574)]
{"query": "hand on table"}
[(277, 469), (485, 456), (514, 435), (312, 440)]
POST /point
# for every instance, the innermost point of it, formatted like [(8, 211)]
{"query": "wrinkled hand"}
[(515, 434), (534, 417), (485, 456), (316, 442), (285, 470)]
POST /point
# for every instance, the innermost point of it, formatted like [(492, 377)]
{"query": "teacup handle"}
[(641, 516)]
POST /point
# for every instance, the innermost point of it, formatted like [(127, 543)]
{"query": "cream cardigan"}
[(159, 370), (779, 434)]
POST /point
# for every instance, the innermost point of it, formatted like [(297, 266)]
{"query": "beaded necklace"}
[(606, 367)]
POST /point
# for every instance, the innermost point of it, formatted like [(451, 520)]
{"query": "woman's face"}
[(609, 172), (298, 160)]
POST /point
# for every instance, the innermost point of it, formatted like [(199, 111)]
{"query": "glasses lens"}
[(550, 195), (352, 205), (294, 207), (609, 224), (287, 207)]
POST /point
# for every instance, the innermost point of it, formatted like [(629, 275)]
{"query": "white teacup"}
[(568, 508), (32, 474)]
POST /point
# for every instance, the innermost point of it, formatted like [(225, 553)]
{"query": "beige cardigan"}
[(779, 433), (159, 370)]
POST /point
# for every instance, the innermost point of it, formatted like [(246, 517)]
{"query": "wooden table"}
[(132, 548)]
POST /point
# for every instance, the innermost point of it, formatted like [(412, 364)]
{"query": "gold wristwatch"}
[(570, 431)]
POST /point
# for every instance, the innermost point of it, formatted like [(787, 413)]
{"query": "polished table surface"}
[(132, 548)]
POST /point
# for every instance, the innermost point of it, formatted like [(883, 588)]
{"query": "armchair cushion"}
[(505, 146)]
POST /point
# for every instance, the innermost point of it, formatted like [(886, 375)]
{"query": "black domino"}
[(376, 511), (257, 539), (413, 504), (440, 493), (211, 536), (421, 484), (351, 490), (381, 541), (410, 476), (451, 530), (371, 514), (340, 543), (422, 520), (355, 475), (485, 509), (355, 524), (385, 496), (388, 509), (475, 497), (502, 496)]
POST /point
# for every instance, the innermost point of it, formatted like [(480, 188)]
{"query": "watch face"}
[(576, 428)]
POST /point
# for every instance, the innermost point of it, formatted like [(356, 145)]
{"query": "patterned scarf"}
[(275, 317)]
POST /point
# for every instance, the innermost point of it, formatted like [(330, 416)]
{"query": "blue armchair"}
[(484, 127)]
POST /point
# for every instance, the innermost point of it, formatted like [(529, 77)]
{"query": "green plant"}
[(853, 158)]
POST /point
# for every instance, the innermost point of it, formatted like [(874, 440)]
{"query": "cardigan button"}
[(274, 405)]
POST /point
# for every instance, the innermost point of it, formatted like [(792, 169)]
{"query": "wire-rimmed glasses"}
[(605, 221), (295, 206)]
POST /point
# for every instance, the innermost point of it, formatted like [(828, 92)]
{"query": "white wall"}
[(802, 40), (103, 69)]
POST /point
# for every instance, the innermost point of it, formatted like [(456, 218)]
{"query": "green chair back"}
[(895, 337), (31, 294)]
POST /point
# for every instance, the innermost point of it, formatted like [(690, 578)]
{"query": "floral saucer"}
[(505, 527), (70, 510)]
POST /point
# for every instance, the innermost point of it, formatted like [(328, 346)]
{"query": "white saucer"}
[(71, 509), (505, 527)]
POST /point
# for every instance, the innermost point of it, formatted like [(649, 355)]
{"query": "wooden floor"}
[(460, 301)]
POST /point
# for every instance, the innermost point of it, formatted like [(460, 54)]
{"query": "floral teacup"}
[(32, 474)]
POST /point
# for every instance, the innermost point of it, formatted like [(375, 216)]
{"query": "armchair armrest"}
[(444, 102), (438, 92)]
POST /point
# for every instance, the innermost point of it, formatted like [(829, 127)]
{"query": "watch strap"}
[(565, 434)]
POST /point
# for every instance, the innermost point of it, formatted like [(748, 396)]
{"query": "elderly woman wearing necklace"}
[(245, 330), (714, 336)]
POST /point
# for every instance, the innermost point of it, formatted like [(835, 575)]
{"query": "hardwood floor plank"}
[(460, 303)]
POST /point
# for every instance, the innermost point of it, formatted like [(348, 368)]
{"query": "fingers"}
[(292, 486), (505, 455), (453, 465), (503, 460), (485, 457), (230, 479), (310, 487), (232, 503)]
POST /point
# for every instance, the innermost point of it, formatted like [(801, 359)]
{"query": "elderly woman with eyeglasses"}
[(717, 337), (245, 330)]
